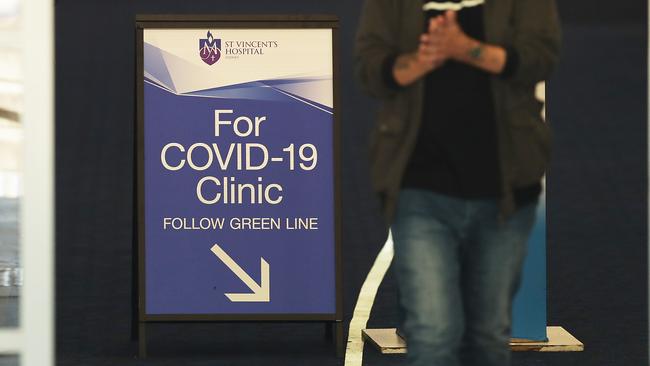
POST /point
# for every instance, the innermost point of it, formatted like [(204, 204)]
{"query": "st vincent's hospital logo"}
[(210, 49)]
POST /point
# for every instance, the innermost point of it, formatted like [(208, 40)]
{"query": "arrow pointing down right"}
[(261, 293)]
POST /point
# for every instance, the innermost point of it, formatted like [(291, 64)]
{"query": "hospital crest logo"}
[(210, 49)]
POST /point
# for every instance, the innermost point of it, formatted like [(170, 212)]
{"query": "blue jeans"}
[(458, 269)]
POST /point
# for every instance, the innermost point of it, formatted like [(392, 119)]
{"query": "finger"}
[(429, 43), (432, 25), (435, 23), (428, 52), (436, 43), (435, 39), (450, 16)]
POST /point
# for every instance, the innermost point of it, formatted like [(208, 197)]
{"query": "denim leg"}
[(493, 261), (428, 275)]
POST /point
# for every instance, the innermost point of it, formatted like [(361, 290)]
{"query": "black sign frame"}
[(140, 318)]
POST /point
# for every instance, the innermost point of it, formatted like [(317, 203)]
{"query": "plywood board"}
[(387, 341)]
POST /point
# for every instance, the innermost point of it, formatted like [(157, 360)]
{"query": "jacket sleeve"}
[(536, 40), (376, 46)]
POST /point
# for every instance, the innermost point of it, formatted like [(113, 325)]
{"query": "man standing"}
[(457, 157)]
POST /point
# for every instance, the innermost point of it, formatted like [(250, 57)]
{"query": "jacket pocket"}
[(385, 149), (387, 141), (391, 116)]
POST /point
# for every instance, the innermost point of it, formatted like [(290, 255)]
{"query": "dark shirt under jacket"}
[(456, 153)]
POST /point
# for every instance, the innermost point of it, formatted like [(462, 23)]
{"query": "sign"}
[(237, 171)]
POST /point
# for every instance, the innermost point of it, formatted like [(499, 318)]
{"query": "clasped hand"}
[(443, 41)]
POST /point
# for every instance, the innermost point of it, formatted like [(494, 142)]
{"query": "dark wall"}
[(597, 193), (604, 13)]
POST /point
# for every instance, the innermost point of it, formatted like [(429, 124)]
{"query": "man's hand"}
[(412, 66), (451, 42), (448, 38), (430, 53), (445, 40)]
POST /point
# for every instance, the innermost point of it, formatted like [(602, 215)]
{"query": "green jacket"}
[(390, 27)]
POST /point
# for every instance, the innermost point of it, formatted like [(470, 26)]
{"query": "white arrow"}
[(261, 293)]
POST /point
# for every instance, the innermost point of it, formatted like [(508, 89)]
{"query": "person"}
[(457, 157)]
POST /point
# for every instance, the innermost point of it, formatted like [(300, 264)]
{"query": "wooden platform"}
[(559, 340)]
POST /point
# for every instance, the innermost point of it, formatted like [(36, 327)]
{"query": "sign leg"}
[(142, 340), (134, 301), (340, 345), (329, 334), (134, 264), (135, 333)]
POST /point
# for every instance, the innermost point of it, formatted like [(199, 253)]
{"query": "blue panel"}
[(529, 310)]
